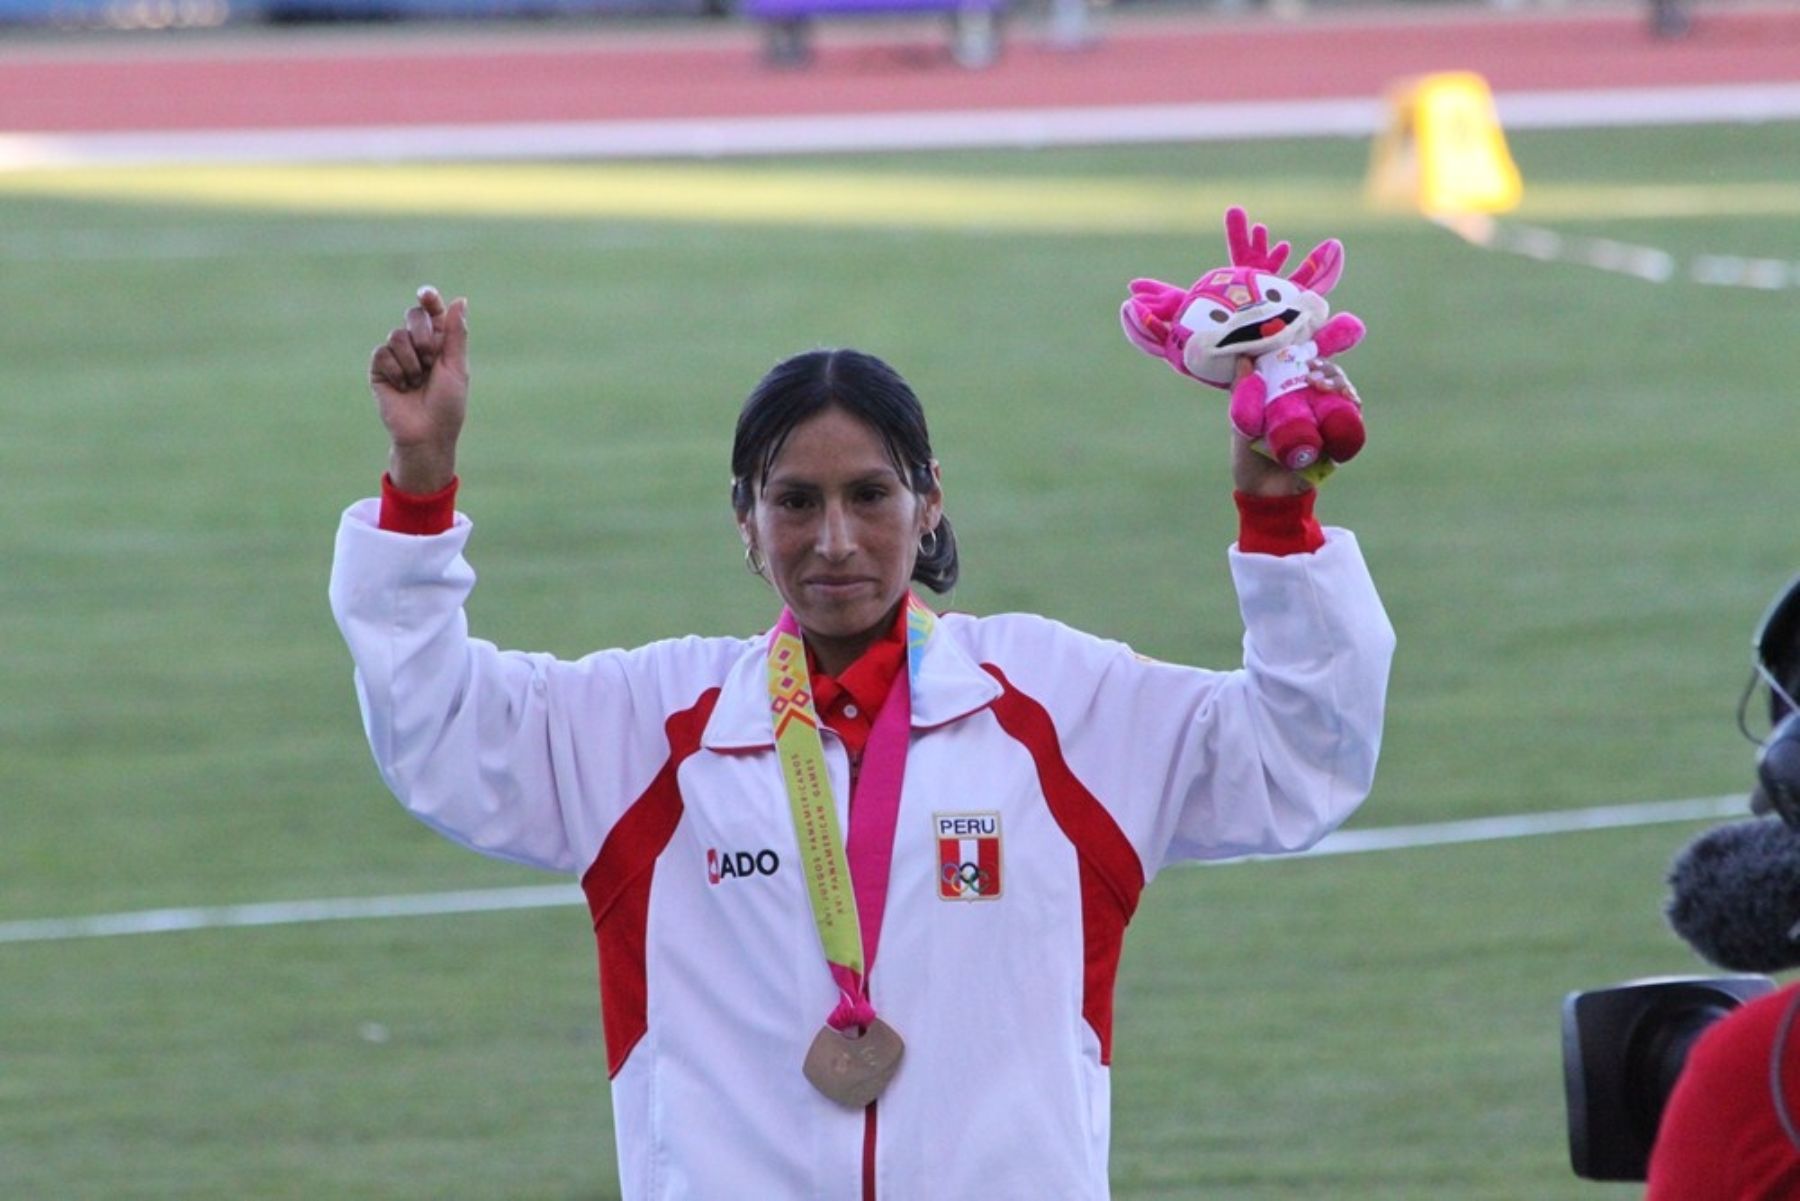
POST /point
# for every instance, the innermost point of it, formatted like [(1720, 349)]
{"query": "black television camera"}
[(1735, 898)]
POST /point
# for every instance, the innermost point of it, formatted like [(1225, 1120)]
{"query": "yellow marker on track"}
[(1443, 151)]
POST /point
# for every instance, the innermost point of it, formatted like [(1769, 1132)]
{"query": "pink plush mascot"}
[(1246, 310)]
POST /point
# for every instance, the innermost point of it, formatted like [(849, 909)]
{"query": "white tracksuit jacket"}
[(1050, 775)]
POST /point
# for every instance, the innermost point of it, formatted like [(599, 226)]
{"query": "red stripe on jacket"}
[(1112, 878), (618, 887)]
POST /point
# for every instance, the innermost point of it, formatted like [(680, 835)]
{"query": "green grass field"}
[(1574, 502)]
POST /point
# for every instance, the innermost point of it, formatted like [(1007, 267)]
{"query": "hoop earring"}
[(753, 562), (925, 552)]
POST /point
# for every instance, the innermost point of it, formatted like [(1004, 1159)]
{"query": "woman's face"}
[(839, 530)]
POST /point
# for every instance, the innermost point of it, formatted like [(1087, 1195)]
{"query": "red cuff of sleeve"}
[(1278, 525), (405, 513)]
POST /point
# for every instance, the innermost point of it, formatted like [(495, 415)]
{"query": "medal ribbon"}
[(846, 880)]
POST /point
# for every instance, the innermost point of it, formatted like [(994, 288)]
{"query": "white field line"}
[(289, 913), (491, 900), (1524, 825), (741, 136), (702, 137), (340, 238)]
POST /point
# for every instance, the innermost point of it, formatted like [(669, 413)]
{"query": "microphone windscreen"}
[(1734, 895)]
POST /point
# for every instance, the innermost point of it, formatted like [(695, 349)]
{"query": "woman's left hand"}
[(1255, 473)]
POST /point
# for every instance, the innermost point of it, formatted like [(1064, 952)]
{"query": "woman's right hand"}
[(420, 380)]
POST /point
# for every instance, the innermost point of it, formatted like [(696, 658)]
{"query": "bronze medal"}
[(851, 1068)]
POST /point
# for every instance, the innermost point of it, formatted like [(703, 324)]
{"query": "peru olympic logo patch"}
[(968, 856)]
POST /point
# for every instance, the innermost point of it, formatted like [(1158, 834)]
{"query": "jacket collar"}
[(951, 686)]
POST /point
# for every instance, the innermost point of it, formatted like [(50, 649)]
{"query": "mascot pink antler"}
[(1248, 312), (1249, 244)]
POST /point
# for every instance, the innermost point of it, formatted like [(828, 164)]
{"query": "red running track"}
[(279, 79)]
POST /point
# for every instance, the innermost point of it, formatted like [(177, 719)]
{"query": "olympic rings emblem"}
[(960, 878)]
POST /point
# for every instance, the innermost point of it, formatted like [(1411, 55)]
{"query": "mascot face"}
[(1239, 311)]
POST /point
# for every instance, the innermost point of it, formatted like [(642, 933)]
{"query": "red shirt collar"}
[(865, 682)]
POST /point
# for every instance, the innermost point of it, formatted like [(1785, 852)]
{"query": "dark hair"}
[(799, 388)]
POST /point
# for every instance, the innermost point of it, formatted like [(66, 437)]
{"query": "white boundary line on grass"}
[(290, 913), (715, 137), (1526, 825), (491, 900)]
